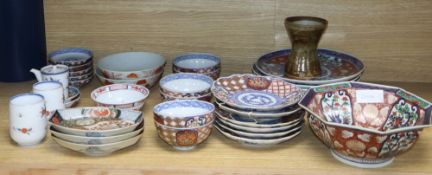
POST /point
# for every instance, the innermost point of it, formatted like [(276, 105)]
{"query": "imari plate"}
[(335, 66), (247, 91)]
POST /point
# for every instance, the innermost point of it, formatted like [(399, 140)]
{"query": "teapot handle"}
[(37, 74)]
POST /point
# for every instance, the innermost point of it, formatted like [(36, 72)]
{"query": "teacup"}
[(27, 119), (52, 91), (54, 73)]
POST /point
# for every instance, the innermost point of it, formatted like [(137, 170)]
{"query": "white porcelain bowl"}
[(131, 65), (146, 81), (120, 96), (97, 150), (185, 85), (96, 121)]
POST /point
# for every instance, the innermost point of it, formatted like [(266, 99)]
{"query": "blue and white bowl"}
[(185, 85), (203, 63), (71, 56)]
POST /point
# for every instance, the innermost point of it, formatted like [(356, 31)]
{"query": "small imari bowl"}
[(184, 113), (131, 65), (185, 85), (202, 63), (120, 96), (184, 139), (366, 125), (207, 97), (146, 81), (71, 56)]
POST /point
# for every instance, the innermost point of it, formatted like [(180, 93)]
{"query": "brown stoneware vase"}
[(305, 33)]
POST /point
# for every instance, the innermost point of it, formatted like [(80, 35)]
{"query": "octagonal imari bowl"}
[(366, 125)]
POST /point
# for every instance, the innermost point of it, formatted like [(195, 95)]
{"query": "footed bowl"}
[(366, 125)]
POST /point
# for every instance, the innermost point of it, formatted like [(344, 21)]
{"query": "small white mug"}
[(57, 72), (52, 91), (27, 119)]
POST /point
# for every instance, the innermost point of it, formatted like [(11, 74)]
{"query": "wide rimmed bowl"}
[(96, 121), (185, 85), (96, 140), (131, 65), (97, 150), (184, 113), (366, 125), (120, 96), (253, 92), (203, 63), (148, 82), (184, 139)]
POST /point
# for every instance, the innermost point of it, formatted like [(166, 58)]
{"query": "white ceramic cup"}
[(27, 119), (52, 91), (57, 72)]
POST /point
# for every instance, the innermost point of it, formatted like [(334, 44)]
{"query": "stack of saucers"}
[(73, 97), (79, 61), (335, 67), (141, 68), (257, 111), (96, 131)]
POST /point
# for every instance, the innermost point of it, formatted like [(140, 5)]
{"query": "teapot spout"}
[(37, 74)]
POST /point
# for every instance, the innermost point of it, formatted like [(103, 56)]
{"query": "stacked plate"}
[(335, 67), (257, 111), (79, 61), (141, 68), (96, 131), (73, 98)]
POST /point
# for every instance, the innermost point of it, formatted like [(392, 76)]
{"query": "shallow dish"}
[(73, 93), (184, 113), (257, 129), (81, 67), (95, 121), (260, 115), (273, 135), (131, 65), (71, 56), (366, 125), (80, 83), (247, 91), (97, 150), (81, 72), (335, 66), (120, 96), (203, 63), (262, 123), (81, 77), (146, 81), (96, 140), (184, 139), (258, 143), (185, 85)]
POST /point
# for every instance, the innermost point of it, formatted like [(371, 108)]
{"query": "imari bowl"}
[(253, 92), (120, 96), (185, 85), (71, 56), (184, 113), (202, 63), (131, 65), (366, 125), (184, 139), (148, 82), (96, 121)]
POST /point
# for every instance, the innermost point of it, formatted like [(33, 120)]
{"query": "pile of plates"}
[(141, 68), (96, 131), (257, 111), (79, 61), (335, 67)]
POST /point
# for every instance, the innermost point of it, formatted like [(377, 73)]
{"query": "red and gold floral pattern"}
[(258, 83), (187, 137)]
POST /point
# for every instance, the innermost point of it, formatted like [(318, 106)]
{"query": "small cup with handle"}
[(57, 72), (27, 119)]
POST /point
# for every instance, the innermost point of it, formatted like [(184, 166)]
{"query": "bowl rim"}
[(208, 55), (94, 97), (354, 127), (136, 131), (163, 59), (82, 50), (207, 79), (186, 116), (178, 128), (266, 108), (139, 119), (100, 75)]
